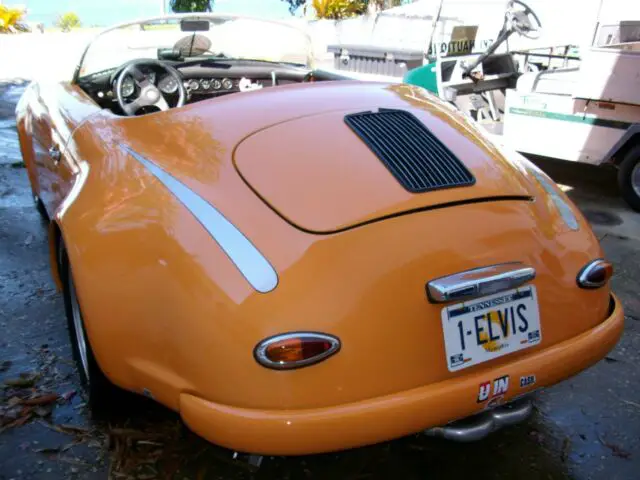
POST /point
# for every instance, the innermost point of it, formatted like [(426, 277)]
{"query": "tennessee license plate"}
[(490, 327)]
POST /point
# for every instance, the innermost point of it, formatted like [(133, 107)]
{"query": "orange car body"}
[(169, 314)]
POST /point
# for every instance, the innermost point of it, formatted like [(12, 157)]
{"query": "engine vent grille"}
[(418, 160)]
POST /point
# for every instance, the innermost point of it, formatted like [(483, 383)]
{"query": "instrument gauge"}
[(205, 84), (227, 84), (168, 84), (193, 85), (128, 87), (216, 84)]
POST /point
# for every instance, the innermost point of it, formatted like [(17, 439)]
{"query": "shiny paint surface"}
[(55, 110), (393, 415), (246, 257), (344, 183), (151, 280)]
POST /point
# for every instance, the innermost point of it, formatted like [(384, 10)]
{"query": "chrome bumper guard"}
[(479, 426)]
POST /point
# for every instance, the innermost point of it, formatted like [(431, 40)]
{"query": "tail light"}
[(295, 350), (595, 274)]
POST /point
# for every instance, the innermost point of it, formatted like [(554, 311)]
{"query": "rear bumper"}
[(296, 432)]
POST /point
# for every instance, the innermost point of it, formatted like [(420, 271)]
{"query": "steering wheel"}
[(148, 93), (524, 21)]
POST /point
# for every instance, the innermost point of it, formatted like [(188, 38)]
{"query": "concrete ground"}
[(588, 427)]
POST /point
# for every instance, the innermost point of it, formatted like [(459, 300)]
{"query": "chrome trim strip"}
[(246, 257), (583, 275), (261, 349), (479, 426), (479, 282)]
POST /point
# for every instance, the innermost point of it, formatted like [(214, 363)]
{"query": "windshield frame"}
[(192, 16)]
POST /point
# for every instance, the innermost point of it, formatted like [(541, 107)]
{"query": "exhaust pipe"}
[(478, 426)]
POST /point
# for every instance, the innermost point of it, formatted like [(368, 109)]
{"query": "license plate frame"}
[(465, 326)]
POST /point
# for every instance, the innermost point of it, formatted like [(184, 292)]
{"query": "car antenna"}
[(193, 38)]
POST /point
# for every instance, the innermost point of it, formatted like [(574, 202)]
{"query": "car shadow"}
[(583, 178), (151, 434)]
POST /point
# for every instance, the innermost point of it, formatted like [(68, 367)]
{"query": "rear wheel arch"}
[(625, 154), (631, 142), (629, 176), (629, 139), (100, 389)]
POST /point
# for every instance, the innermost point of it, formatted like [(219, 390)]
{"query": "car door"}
[(57, 110)]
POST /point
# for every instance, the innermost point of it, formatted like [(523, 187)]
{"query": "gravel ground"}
[(585, 428)]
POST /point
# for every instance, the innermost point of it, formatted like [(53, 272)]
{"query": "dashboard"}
[(202, 79), (220, 85), (198, 86), (167, 84)]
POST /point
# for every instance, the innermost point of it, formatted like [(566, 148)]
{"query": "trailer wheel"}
[(629, 177)]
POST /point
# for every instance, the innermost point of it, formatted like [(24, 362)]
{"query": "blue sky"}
[(108, 12)]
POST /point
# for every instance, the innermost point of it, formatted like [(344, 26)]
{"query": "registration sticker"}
[(527, 381), (490, 327)]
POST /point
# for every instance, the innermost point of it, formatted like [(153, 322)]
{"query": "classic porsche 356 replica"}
[(298, 264)]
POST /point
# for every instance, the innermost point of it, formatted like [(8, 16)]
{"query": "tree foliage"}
[(295, 5), (9, 18), (347, 5), (182, 6), (337, 9), (384, 4), (67, 21)]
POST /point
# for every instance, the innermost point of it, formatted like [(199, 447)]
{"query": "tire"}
[(99, 389), (629, 177)]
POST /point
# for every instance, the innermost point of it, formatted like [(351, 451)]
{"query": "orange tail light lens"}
[(295, 350), (595, 274)]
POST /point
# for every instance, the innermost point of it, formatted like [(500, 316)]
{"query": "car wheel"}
[(629, 177), (99, 389)]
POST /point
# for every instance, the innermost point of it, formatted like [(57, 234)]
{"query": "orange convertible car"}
[(297, 263)]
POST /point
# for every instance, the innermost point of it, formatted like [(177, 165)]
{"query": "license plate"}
[(490, 327)]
